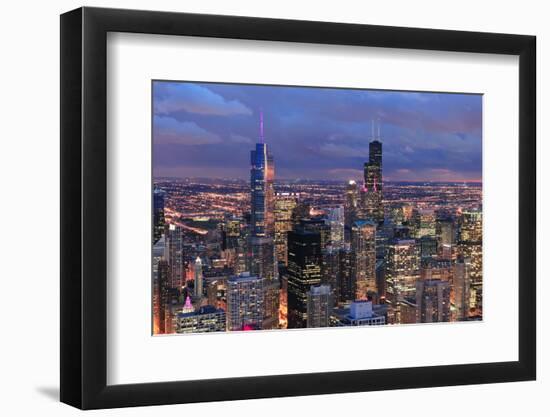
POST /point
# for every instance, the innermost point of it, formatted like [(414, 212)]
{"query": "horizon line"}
[(320, 179)]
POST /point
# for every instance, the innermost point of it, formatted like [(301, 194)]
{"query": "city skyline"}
[(265, 255), (426, 136)]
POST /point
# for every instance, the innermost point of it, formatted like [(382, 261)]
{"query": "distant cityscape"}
[(268, 252)]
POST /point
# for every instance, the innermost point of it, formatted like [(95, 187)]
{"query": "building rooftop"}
[(201, 311), (243, 277)]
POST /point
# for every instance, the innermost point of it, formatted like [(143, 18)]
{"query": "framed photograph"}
[(259, 208)]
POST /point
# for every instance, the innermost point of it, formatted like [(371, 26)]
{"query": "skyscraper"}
[(402, 272), (262, 257), (336, 223), (262, 196), (461, 287), (231, 232), (363, 246), (161, 283), (245, 302), (262, 262), (374, 208), (158, 214), (317, 225), (319, 306), (272, 299), (331, 270), (234, 244), (160, 296), (198, 278), (444, 231), (433, 301), (471, 246), (304, 271), (174, 255), (285, 203), (350, 203), (345, 275)]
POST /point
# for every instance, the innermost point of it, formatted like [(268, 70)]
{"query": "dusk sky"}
[(208, 130)]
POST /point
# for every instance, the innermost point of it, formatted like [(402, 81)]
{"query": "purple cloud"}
[(175, 97), (167, 130)]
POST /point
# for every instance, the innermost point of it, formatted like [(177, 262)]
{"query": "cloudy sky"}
[(208, 130)]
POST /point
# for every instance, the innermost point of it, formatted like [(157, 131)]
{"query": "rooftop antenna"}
[(378, 128), (372, 128), (262, 126)]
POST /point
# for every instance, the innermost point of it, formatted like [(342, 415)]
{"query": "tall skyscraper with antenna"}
[(262, 227), (262, 174), (373, 187)]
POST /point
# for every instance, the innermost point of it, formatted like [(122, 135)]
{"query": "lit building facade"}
[(363, 246), (272, 299), (231, 233), (432, 268), (285, 204), (402, 271), (407, 311), (471, 226), (198, 278), (433, 301), (445, 231), (319, 306), (425, 219), (336, 222), (471, 246), (245, 302), (461, 288), (174, 255), (234, 244), (351, 203), (205, 320)]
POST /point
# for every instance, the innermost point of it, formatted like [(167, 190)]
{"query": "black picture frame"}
[(84, 207)]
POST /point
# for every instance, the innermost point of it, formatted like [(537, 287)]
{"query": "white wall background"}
[(29, 175)]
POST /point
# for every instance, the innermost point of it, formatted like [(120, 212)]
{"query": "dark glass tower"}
[(304, 271), (375, 153), (158, 214), (374, 208), (345, 276)]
